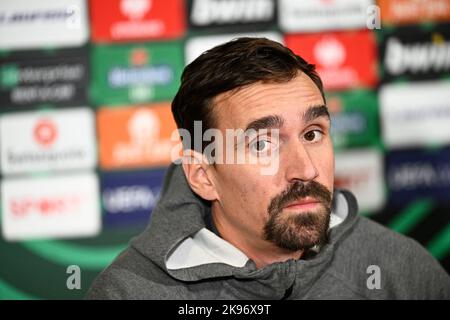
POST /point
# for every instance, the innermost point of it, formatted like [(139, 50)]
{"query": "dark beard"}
[(302, 231)]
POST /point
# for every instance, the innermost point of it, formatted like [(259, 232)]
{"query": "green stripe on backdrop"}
[(439, 246), (407, 219), (8, 292), (67, 254)]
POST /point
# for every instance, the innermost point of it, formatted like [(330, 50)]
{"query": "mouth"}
[(303, 204)]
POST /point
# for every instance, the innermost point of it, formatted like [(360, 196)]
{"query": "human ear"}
[(195, 167)]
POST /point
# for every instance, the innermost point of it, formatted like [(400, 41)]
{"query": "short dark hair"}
[(240, 62)]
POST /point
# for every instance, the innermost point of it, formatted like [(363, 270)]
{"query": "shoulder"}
[(131, 276), (406, 269), (385, 245)]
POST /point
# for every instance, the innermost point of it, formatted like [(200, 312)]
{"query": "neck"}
[(261, 251)]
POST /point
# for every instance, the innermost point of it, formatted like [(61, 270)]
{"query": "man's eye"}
[(313, 135), (260, 145)]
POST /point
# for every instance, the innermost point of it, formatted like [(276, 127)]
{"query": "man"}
[(231, 231)]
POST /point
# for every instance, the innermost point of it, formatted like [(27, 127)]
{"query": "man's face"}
[(291, 207)]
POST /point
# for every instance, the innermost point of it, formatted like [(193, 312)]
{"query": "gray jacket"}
[(177, 257)]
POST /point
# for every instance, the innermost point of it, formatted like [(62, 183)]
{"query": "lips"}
[(305, 203)]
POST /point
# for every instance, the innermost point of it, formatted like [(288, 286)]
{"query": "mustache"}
[(300, 190)]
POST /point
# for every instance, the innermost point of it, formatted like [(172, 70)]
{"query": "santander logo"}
[(135, 9), (329, 52), (45, 132)]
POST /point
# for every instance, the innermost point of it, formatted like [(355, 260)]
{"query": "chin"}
[(300, 231)]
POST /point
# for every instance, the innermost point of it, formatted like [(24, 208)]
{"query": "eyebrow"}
[(315, 112), (275, 121), (268, 122)]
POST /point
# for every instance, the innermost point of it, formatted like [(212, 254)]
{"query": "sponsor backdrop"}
[(85, 121)]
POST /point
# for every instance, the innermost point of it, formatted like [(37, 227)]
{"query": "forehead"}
[(236, 108)]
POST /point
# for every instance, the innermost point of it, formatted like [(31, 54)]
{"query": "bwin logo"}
[(417, 57), (205, 12)]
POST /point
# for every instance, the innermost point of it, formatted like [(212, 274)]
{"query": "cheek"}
[(324, 163), (242, 191), (257, 199)]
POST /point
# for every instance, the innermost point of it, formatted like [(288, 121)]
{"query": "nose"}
[(299, 165)]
